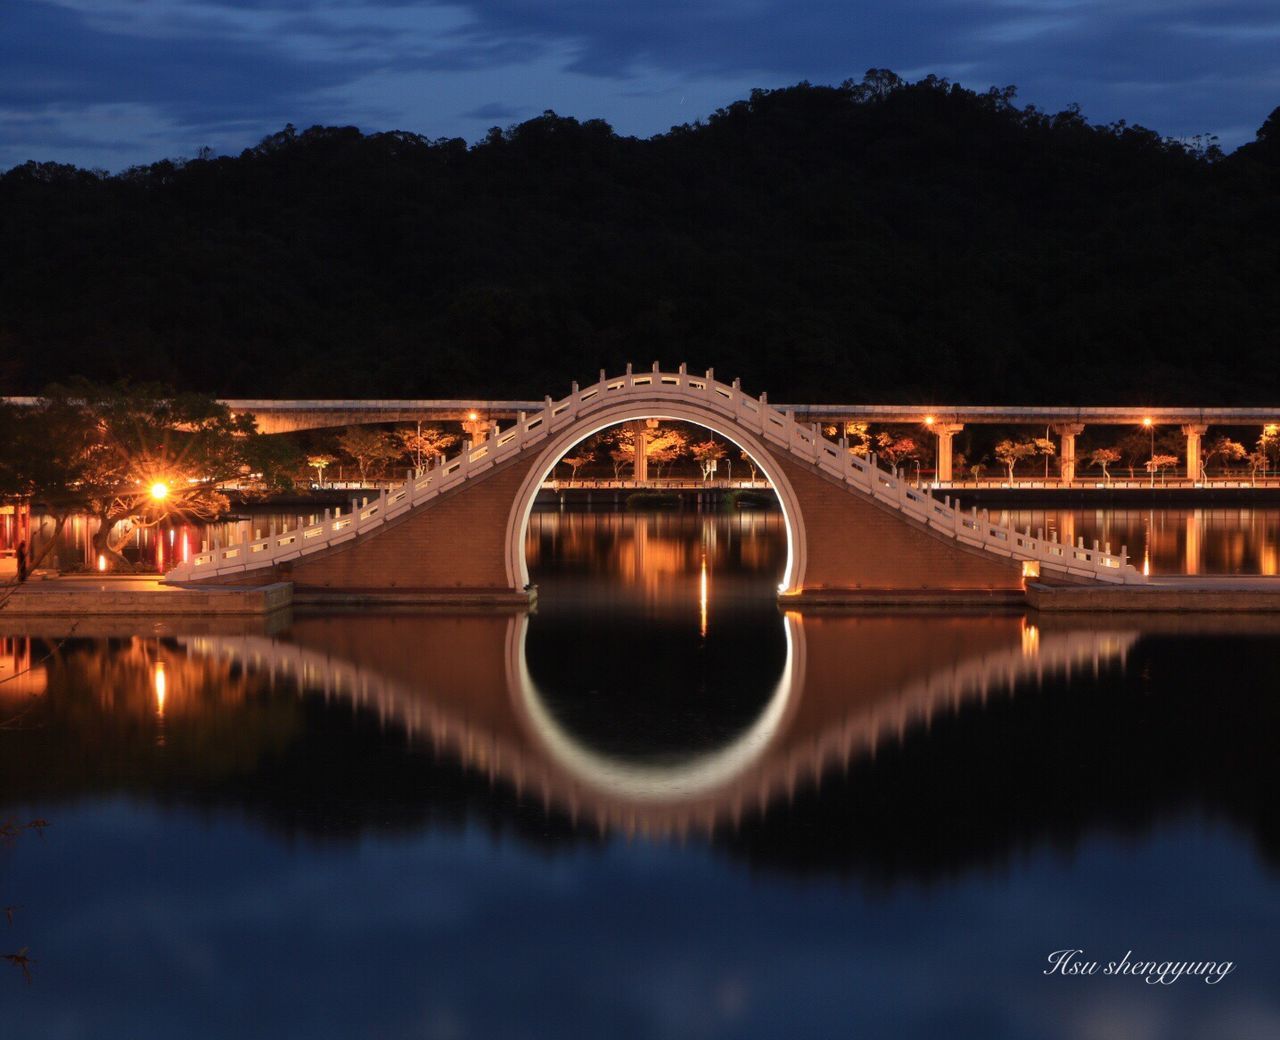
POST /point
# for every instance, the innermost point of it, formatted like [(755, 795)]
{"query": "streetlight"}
[(929, 421), (1152, 463), (159, 491)]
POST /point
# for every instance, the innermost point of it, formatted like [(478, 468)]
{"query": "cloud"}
[(189, 72), (495, 110)]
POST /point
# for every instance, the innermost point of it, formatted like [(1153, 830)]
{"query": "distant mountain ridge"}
[(874, 241)]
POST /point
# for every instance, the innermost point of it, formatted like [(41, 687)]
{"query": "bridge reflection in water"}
[(845, 687)]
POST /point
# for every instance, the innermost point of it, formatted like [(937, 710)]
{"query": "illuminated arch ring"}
[(697, 775)]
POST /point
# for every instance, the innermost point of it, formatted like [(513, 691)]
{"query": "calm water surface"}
[(1217, 540), (657, 807)]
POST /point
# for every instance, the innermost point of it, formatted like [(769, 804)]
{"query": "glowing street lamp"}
[(159, 491), (1151, 426)]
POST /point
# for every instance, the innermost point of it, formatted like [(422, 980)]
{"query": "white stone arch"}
[(657, 407)]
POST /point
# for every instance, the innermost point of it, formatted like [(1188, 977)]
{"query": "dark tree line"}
[(873, 241)]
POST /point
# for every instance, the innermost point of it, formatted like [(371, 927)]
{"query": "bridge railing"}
[(774, 426)]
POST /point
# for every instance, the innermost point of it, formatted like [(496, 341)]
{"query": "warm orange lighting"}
[(1031, 568), (472, 416), (102, 562), (1146, 421), (928, 420), (161, 685), (159, 490), (702, 599), (1030, 639)]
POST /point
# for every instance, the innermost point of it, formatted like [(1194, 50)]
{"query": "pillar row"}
[(946, 432), (1067, 451)]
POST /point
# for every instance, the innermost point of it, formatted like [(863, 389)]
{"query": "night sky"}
[(111, 83)]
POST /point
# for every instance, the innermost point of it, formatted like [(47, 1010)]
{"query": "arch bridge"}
[(854, 529)]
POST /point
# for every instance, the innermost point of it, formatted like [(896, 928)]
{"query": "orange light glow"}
[(1031, 568), (702, 599), (472, 416), (102, 562), (161, 686), (1147, 421), (159, 490), (1030, 639), (928, 420)]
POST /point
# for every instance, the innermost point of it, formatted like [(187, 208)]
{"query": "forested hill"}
[(875, 241)]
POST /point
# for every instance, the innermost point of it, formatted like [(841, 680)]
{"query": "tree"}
[(1224, 446), (424, 443), (857, 436), (1257, 461), (708, 453), (1134, 448), (665, 446), (751, 463), (370, 449), (1011, 452), (320, 463), (1160, 463), (1269, 445), (895, 450), (133, 456), (1104, 457)]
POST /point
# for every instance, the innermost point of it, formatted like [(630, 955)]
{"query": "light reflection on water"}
[(656, 807), (1210, 540), (1169, 541)]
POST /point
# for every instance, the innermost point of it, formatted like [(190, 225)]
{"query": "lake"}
[(655, 807)]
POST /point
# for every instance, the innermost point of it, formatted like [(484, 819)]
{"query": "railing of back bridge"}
[(776, 427)]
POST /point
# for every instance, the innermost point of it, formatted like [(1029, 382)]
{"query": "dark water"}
[(656, 808)]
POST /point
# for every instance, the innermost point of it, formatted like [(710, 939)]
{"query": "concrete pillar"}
[(945, 432), (478, 429), (1193, 432), (1067, 450), (640, 431)]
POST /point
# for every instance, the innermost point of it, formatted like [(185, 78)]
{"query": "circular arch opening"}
[(560, 442), (689, 777)]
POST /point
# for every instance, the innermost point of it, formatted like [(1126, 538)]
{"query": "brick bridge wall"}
[(458, 541)]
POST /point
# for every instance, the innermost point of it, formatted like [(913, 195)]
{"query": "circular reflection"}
[(654, 724)]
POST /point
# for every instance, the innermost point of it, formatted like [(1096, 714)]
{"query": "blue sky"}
[(115, 82)]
